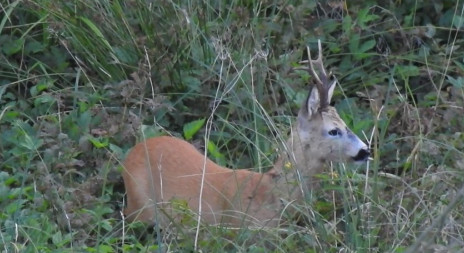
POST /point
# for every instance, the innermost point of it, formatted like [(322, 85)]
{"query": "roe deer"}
[(161, 170)]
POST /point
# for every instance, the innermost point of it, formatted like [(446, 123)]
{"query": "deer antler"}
[(323, 83)]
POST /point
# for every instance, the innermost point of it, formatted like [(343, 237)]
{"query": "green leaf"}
[(366, 46), (354, 43), (34, 47), (456, 82), (191, 128), (31, 143), (359, 51), (213, 150), (408, 71), (15, 206), (44, 84), (45, 99), (105, 224), (346, 25), (458, 22), (57, 238), (104, 248), (99, 142), (150, 131), (13, 46), (192, 83), (117, 151), (364, 17)]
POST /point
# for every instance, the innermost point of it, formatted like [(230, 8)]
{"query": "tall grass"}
[(82, 81)]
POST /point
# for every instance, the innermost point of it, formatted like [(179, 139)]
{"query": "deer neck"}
[(295, 169)]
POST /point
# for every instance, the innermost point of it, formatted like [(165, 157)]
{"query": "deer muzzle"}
[(362, 155)]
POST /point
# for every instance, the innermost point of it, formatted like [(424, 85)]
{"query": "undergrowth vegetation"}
[(82, 81)]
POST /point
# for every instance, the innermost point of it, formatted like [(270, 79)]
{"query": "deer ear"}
[(331, 90), (311, 104), (313, 101)]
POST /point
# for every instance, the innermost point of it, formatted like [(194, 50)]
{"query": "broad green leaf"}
[(354, 44), (366, 46), (117, 151), (10, 181), (150, 131), (364, 17), (192, 83), (41, 86), (99, 142), (33, 47), (346, 25), (458, 22), (12, 46), (104, 248), (57, 238), (407, 71), (214, 152), (456, 82), (31, 143), (361, 51), (15, 206), (191, 128), (44, 99)]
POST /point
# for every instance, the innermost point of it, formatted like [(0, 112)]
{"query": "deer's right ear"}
[(331, 90)]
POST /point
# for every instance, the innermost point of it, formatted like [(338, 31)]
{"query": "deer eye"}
[(335, 132)]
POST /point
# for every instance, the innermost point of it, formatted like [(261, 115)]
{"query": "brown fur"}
[(164, 168)]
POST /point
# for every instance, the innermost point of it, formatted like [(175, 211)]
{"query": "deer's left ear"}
[(312, 102)]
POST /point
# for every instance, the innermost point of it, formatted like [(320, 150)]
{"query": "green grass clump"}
[(82, 81)]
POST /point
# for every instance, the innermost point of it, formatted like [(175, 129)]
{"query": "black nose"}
[(362, 155)]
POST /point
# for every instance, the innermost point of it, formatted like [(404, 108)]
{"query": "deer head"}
[(322, 133)]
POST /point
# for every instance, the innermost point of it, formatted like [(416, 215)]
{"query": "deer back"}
[(163, 178)]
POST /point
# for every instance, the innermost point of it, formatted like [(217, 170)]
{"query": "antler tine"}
[(322, 79)]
